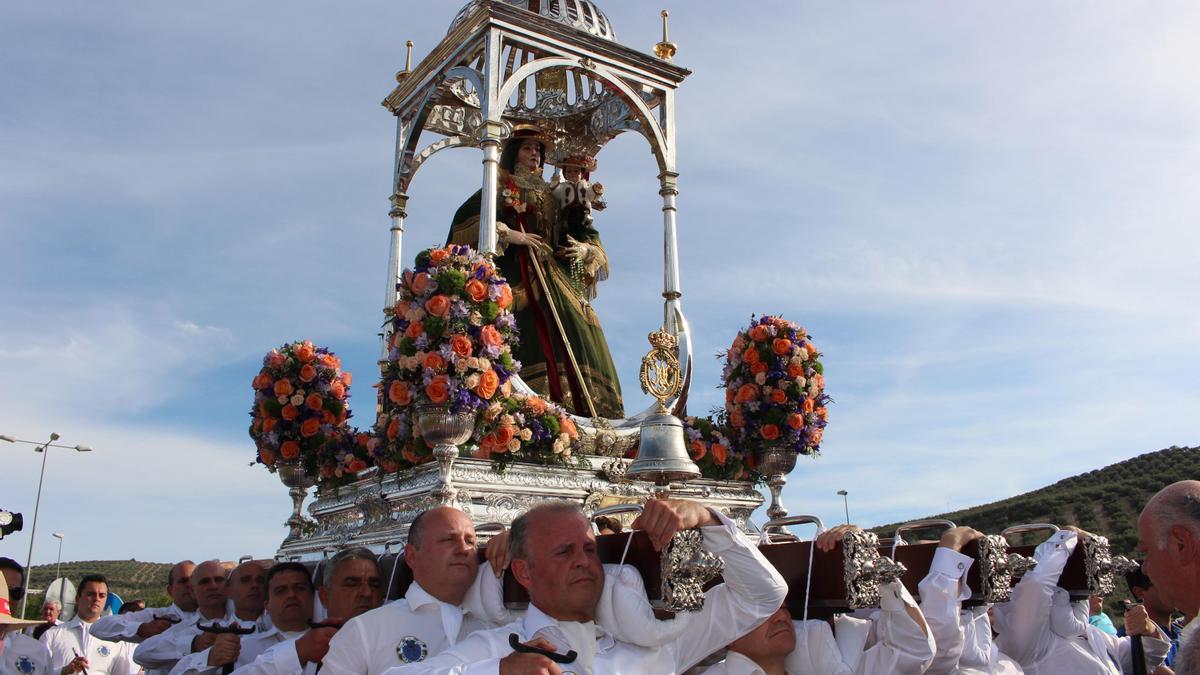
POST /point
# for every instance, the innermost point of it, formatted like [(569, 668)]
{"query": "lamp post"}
[(58, 567), (43, 448), (845, 503)]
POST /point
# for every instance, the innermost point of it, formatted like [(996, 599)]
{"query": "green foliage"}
[(130, 579)]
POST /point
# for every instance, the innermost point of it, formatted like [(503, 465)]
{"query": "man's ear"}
[(520, 570), (1182, 540), (323, 594)]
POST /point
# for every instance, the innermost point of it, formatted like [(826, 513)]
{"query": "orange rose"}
[(346, 378), (436, 256), (331, 361), (289, 450), (820, 380), (759, 334), (812, 351), (438, 390), (488, 335), (356, 465), (420, 283), (568, 427), (268, 424), (737, 419), (283, 387), (267, 456), (728, 395), (698, 451), (778, 396), (341, 418), (434, 360), (438, 305), (505, 300), (307, 373), (769, 432), (750, 355), (338, 390), (389, 466), (314, 401), (795, 370), (807, 406), (719, 453), (823, 413), (289, 412), (310, 427), (488, 381), (815, 436), (461, 344), (536, 403), (393, 430), (795, 421), (476, 290), (503, 435), (306, 352), (410, 456), (327, 417), (275, 359), (747, 392), (781, 346), (414, 330), (399, 393), (261, 381), (758, 367)]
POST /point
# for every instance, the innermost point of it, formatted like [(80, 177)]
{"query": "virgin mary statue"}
[(553, 272)]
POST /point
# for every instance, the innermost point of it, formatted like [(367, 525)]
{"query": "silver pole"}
[(487, 205), (33, 530), (671, 292)]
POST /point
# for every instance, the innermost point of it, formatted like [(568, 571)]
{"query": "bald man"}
[(1169, 536), (146, 623), (221, 598)]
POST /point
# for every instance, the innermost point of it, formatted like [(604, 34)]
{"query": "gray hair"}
[(1176, 504), (353, 553), (518, 537), (51, 602)]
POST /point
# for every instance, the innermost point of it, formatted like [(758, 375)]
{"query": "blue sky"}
[(985, 214)]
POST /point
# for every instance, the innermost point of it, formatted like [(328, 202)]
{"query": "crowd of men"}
[(586, 617)]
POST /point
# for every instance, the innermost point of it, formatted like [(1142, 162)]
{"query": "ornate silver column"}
[(669, 182), (492, 133)]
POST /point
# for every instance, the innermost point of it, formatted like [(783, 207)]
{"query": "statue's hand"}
[(576, 250), (598, 188), (530, 240)]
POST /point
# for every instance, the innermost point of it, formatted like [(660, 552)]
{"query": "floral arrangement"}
[(510, 192), (775, 388), (527, 428), (452, 334), (348, 452), (299, 404), (709, 443)]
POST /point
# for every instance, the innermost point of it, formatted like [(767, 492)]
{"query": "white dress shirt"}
[(104, 658), (963, 637), (160, 653), (1037, 627), (752, 591), (24, 656), (124, 627), (281, 659), (381, 638), (890, 642), (735, 664), (252, 647)]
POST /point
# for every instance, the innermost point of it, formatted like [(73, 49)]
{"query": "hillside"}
[(129, 579), (1105, 501)]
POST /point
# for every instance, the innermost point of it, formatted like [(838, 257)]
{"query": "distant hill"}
[(1105, 501), (130, 579)]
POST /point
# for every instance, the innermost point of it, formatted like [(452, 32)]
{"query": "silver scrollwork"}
[(865, 570), (686, 567)]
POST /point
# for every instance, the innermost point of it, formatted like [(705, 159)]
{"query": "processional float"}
[(553, 69)]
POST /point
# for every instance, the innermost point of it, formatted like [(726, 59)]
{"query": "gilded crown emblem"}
[(660, 373)]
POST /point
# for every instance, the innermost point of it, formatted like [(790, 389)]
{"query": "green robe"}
[(545, 366)]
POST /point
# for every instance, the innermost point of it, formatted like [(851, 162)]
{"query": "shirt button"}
[(960, 566)]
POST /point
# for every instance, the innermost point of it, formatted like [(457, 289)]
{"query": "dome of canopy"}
[(579, 14)]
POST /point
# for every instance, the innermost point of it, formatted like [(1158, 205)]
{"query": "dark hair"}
[(14, 594), (280, 568), (508, 157), (1137, 578), (353, 553), (608, 523), (91, 579)]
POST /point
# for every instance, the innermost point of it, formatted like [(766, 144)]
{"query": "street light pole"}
[(43, 448), (845, 503), (58, 567)]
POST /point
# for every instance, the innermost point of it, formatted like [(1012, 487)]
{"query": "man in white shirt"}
[(429, 619), (51, 610), (352, 585), (73, 650), (554, 557), (963, 637), (221, 598), (1169, 535), (290, 604), (1047, 634), (19, 653), (894, 640), (146, 623)]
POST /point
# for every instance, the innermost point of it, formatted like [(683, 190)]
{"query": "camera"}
[(10, 522)]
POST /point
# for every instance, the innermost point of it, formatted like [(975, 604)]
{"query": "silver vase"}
[(445, 430), (775, 463), (291, 473)]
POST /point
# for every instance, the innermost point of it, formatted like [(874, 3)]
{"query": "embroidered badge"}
[(104, 650), (25, 665), (411, 650)]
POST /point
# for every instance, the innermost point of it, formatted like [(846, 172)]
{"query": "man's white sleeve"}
[(164, 650), (195, 663), (281, 659), (1121, 649), (942, 592), (752, 592), (121, 627), (1026, 635), (901, 646)]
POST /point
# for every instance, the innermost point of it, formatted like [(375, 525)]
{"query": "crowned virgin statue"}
[(553, 268)]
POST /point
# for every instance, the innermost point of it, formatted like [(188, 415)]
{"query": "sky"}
[(985, 214)]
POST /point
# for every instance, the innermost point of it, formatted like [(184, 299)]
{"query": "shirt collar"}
[(738, 664), (418, 597), (535, 620)]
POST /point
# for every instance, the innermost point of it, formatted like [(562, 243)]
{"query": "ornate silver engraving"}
[(1102, 567), (865, 569), (686, 567)]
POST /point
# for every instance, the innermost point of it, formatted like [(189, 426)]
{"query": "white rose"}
[(514, 444), (297, 400), (801, 382), (472, 380), (813, 389), (526, 434), (761, 378)]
